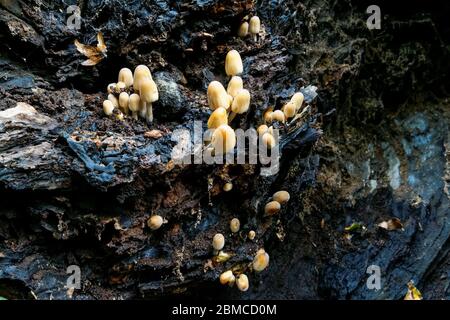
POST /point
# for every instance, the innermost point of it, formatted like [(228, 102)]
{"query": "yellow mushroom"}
[(233, 63), (217, 96)]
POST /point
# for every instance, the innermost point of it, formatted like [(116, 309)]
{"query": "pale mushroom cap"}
[(133, 103), (297, 99), (262, 129), (111, 87), (217, 118), (281, 196), (227, 187), (278, 115), (120, 86), (268, 116), (218, 241), (140, 73), (108, 107), (235, 85), (235, 224), (113, 99), (268, 140), (227, 277), (251, 234), (223, 139), (243, 30), (217, 96), (289, 110), (261, 261), (148, 91), (241, 102), (233, 63), (124, 99), (272, 208), (126, 76), (254, 25), (242, 282), (155, 222)]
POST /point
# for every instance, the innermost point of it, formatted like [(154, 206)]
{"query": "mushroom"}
[(254, 27), (149, 94), (240, 104), (234, 86), (289, 110), (108, 107), (251, 234), (242, 282), (227, 277), (262, 129), (217, 96), (126, 76), (227, 187), (140, 73), (223, 139), (271, 208), (133, 105), (278, 115), (268, 140), (235, 224), (268, 115), (233, 63), (111, 88), (120, 87), (297, 99), (114, 100), (281, 197), (243, 30), (218, 118), (155, 222), (124, 100), (261, 261), (218, 241)]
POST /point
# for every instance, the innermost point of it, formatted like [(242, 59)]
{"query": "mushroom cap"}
[(148, 91), (124, 99), (261, 261), (297, 99), (289, 109), (217, 96), (281, 196), (217, 118), (268, 140), (268, 115), (272, 208), (218, 241), (242, 282), (223, 139), (243, 30), (120, 86), (254, 25), (133, 103), (235, 85), (233, 63), (108, 107), (113, 99), (235, 224), (125, 76), (227, 277), (251, 234), (111, 87), (155, 222), (241, 102), (140, 73), (278, 115), (262, 129)]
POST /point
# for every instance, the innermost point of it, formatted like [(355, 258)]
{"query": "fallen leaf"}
[(94, 54), (2, 255), (153, 134), (391, 224), (413, 293)]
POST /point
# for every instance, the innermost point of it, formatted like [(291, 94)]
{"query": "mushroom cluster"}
[(226, 104), (133, 94), (274, 206), (252, 27)]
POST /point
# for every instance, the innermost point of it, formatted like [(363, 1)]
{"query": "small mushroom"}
[(217, 96), (126, 76), (111, 88), (242, 282), (218, 241), (262, 129), (281, 197), (133, 105), (141, 72), (124, 100), (149, 94), (227, 187), (240, 104), (234, 86), (235, 225), (233, 63), (268, 140), (108, 107), (271, 208), (251, 234), (227, 277), (120, 87), (243, 30), (297, 99), (278, 115), (223, 139), (289, 110), (114, 100), (254, 27), (261, 261), (218, 118), (155, 222)]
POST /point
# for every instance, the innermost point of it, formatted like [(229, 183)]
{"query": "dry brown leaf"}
[(391, 224), (94, 54), (153, 134)]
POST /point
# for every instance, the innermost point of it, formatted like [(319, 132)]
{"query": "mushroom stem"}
[(143, 109), (255, 38), (149, 114), (134, 115)]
